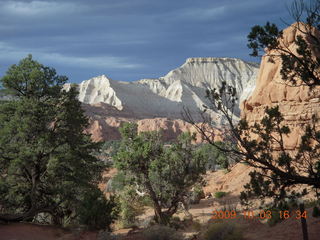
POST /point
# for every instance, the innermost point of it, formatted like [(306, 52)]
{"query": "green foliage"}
[(176, 223), (263, 37), (315, 212), (118, 182), (223, 231), (299, 65), (220, 194), (47, 163), (214, 156), (109, 149), (197, 194), (96, 211), (159, 232), (275, 217), (130, 206), (31, 79), (165, 174)]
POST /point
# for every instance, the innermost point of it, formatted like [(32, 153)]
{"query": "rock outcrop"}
[(158, 103), (296, 103), (107, 129)]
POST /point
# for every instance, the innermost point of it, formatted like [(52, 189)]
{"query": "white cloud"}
[(200, 13), (103, 62), (38, 8), (14, 54)]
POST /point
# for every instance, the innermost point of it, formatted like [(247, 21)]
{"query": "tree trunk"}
[(161, 217), (303, 223)]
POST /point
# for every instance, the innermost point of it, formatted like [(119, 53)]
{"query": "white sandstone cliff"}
[(166, 96)]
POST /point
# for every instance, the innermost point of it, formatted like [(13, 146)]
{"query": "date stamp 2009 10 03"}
[(260, 215)]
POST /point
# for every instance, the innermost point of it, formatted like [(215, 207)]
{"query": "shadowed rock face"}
[(297, 104), (158, 103)]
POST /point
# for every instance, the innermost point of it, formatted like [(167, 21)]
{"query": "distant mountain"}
[(165, 97), (158, 103)]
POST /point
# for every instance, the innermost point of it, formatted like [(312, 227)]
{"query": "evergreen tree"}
[(165, 174), (47, 162)]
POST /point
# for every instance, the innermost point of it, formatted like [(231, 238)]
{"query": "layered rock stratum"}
[(297, 103), (158, 103)]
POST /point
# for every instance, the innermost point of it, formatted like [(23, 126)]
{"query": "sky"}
[(129, 40)]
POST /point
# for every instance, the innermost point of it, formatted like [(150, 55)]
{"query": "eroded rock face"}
[(108, 128), (296, 103), (157, 104)]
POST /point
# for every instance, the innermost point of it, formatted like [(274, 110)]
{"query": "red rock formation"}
[(105, 120), (297, 104), (108, 128)]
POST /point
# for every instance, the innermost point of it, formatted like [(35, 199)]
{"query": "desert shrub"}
[(214, 157), (225, 171), (159, 232), (117, 183), (286, 205), (130, 207), (110, 148), (96, 211), (223, 231), (196, 195), (176, 223), (311, 203), (275, 217), (146, 201), (220, 194), (315, 212)]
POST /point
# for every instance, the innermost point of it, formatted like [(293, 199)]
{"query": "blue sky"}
[(129, 39)]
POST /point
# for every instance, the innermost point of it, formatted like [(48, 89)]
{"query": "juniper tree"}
[(47, 162), (165, 174)]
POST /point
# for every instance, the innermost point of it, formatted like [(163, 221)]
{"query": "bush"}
[(117, 183), (159, 232), (315, 212), (176, 223), (96, 211), (223, 231), (275, 217), (130, 207), (220, 194), (214, 156), (197, 194)]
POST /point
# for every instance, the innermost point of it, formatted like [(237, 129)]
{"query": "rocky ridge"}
[(160, 101)]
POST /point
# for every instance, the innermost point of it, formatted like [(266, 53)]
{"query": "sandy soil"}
[(26, 231)]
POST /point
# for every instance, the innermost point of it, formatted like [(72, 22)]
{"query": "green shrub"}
[(117, 183), (223, 231), (196, 195), (220, 194), (225, 171), (275, 217), (130, 207), (159, 232), (96, 211), (315, 212), (176, 223)]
